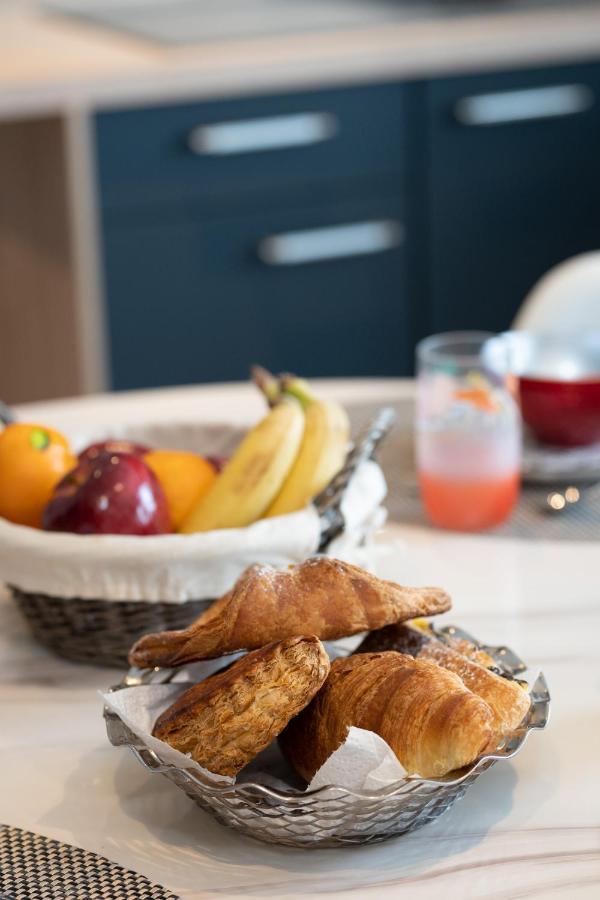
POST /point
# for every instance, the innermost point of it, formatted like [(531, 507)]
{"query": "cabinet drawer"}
[(152, 154), (324, 292)]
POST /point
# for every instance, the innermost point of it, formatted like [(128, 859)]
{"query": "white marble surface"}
[(530, 828)]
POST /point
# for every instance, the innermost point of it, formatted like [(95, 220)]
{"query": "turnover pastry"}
[(226, 720), (431, 721), (508, 701), (321, 596)]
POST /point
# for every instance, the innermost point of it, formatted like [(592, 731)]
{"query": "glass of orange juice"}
[(468, 430)]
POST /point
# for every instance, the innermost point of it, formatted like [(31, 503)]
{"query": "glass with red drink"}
[(468, 431)]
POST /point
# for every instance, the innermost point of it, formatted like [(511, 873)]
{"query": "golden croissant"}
[(508, 701), (320, 596), (431, 721)]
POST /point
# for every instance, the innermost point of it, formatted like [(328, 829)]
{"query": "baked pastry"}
[(321, 596), (431, 721), (506, 698), (224, 721), (467, 648)]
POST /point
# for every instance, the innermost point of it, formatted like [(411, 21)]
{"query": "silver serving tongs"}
[(328, 502)]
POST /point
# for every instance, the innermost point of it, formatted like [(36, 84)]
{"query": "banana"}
[(255, 473), (322, 451)]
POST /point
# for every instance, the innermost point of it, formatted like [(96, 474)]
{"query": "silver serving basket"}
[(332, 816)]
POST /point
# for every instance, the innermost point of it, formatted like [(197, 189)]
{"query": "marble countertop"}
[(52, 64), (528, 828)]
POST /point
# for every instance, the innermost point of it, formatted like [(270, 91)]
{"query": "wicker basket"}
[(101, 631), (97, 631)]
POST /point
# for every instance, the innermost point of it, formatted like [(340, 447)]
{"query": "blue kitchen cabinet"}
[(217, 149), (200, 300), (269, 229), (514, 187), (327, 231)]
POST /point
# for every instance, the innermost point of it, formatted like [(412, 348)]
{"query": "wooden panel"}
[(39, 355)]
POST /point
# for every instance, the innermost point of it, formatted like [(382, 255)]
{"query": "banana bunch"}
[(322, 451), (282, 463)]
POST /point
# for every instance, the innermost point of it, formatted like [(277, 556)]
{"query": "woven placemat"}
[(34, 867), (530, 520)]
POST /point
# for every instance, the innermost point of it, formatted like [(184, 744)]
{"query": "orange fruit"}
[(480, 398), (33, 459), (184, 477)]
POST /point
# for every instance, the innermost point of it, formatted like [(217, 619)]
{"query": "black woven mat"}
[(33, 867)]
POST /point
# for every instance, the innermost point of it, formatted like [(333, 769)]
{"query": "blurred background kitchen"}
[(189, 186)]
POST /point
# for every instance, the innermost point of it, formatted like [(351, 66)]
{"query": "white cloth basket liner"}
[(175, 568)]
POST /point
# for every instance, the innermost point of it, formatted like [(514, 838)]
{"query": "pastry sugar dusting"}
[(322, 596), (439, 704)]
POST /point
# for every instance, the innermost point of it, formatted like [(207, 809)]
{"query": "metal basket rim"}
[(536, 720)]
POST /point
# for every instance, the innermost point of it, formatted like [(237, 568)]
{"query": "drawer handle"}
[(269, 133), (336, 242), (524, 105)]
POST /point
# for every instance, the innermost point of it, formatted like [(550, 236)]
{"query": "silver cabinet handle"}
[(269, 133), (524, 105), (355, 239)]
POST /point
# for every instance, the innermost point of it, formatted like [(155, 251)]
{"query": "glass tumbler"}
[(468, 430)]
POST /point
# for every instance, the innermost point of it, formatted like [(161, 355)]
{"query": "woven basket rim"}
[(63, 598)]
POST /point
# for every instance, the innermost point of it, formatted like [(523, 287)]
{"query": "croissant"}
[(431, 721), (224, 721), (507, 699), (467, 648), (321, 596)]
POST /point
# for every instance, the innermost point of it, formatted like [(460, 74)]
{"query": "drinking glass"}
[(468, 430)]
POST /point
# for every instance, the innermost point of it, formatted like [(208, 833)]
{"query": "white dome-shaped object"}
[(567, 298)]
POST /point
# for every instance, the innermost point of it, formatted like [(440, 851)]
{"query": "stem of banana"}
[(296, 387), (267, 383)]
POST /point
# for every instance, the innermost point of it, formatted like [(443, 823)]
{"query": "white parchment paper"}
[(364, 762)]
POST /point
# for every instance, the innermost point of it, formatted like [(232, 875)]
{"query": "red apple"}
[(112, 446), (116, 493)]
